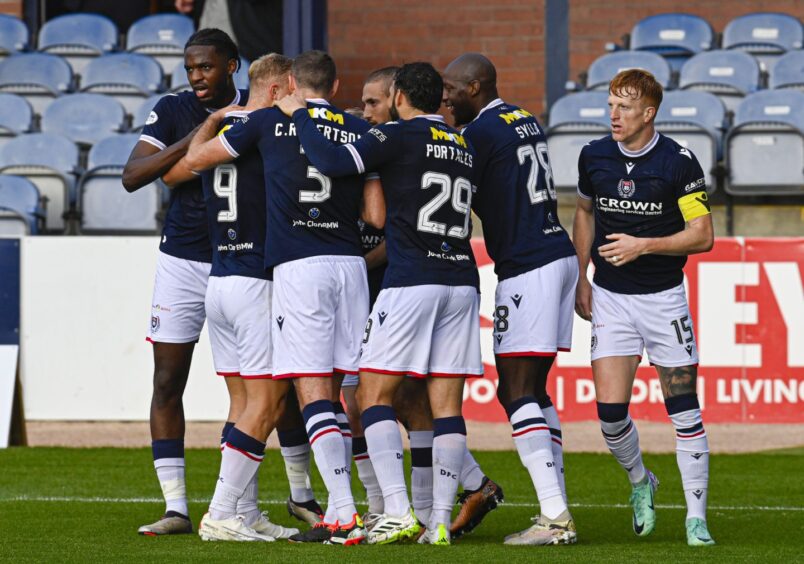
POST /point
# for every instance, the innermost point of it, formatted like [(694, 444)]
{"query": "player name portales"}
[(445, 256), (331, 133), (449, 153), (316, 224), (235, 247), (629, 206)]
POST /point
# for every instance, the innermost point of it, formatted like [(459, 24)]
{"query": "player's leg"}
[(365, 470)]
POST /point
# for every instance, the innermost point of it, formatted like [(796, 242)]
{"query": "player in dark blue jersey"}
[(537, 271), (642, 208), (320, 290), (183, 264), (425, 320)]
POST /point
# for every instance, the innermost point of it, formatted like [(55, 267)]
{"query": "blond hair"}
[(272, 65)]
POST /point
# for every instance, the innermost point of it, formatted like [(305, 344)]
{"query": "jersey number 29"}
[(459, 192)]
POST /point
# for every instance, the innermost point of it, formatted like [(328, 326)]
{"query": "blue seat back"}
[(13, 34), (39, 69), (90, 31), (693, 107), (241, 76), (764, 32), (16, 113), (112, 151), (722, 69), (21, 196), (606, 67), (772, 106), (672, 34), (84, 118), (42, 149), (130, 69), (788, 71), (583, 108), (178, 78), (140, 116), (162, 31)]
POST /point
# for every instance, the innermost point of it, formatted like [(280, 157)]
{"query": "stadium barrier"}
[(86, 305)]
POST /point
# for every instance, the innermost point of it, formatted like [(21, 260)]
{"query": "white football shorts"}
[(429, 330), (177, 310), (627, 324), (239, 313), (534, 311), (320, 307)]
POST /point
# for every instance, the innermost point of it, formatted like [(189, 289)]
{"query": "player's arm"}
[(583, 235), (178, 173), (373, 207), (206, 149), (376, 257), (148, 162)]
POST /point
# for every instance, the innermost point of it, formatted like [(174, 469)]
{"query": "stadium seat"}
[(13, 35), (730, 75), (788, 72), (163, 36), (139, 117), (575, 120), (673, 36), (16, 116), (695, 120), (106, 207), (178, 79), (241, 76), (604, 68), (128, 77), (20, 213), (765, 147), (78, 38), (49, 161), (765, 35), (84, 118), (38, 77)]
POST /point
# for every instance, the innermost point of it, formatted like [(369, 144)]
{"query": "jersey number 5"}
[(538, 158), (459, 192), (225, 186), (316, 196)]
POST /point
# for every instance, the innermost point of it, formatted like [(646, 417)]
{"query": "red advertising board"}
[(747, 303)]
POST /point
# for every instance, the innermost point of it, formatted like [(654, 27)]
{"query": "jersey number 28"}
[(538, 158)]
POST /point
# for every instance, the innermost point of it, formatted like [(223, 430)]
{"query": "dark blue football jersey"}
[(309, 213), (371, 237), (426, 172), (234, 196), (650, 193), (515, 199), (185, 233)]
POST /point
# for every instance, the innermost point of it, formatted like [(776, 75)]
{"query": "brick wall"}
[(11, 8)]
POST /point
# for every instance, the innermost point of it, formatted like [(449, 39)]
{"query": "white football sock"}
[(240, 460), (421, 473), (471, 475), (247, 505), (692, 451), (297, 468), (170, 472), (556, 443), (449, 448), (365, 471), (385, 450)]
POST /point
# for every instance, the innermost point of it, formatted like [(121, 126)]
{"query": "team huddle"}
[(331, 255)]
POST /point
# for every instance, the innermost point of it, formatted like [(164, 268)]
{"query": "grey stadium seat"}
[(128, 77), (49, 161), (78, 38), (178, 79), (14, 35), (16, 116), (788, 72), (162, 36), (20, 213), (575, 120), (676, 37), (139, 117), (603, 69), (730, 75), (84, 118), (38, 77), (106, 207), (765, 147), (695, 120), (765, 35)]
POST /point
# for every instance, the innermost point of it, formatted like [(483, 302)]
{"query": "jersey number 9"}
[(225, 186)]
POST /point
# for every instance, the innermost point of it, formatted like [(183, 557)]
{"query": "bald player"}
[(537, 271)]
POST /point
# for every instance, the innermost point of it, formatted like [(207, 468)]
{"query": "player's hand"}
[(583, 299), (291, 103), (218, 115), (622, 249)]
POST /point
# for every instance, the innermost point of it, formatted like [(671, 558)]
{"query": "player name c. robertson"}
[(318, 224), (332, 133)]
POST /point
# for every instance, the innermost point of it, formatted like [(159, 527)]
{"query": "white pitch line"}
[(283, 501)]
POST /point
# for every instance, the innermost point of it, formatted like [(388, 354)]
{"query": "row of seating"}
[(759, 152), (47, 196)]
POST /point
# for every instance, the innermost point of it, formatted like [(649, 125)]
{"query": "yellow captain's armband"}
[(224, 129), (694, 205)]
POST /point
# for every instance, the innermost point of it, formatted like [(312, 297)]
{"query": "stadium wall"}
[(86, 305)]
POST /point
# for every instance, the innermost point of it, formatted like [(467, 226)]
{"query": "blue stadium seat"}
[(788, 72), (78, 38), (575, 120), (696, 121), (730, 75), (765, 35), (84, 118), (38, 77), (178, 79), (674, 36), (241, 76), (161, 35), (14, 35), (139, 117), (106, 207), (605, 67), (765, 147), (49, 161), (16, 115), (128, 77), (20, 213)]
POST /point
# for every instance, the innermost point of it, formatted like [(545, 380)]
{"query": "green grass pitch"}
[(84, 505)]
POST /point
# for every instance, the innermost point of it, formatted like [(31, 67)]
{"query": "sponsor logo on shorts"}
[(280, 321), (499, 338), (382, 315), (154, 323), (688, 348), (626, 188), (516, 298), (159, 307)]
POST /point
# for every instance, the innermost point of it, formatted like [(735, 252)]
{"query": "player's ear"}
[(291, 83), (334, 89), (650, 113), (473, 87), (231, 66)]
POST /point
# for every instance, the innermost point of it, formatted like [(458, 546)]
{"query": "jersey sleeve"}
[(585, 188), (481, 150), (690, 186), (241, 136), (160, 130)]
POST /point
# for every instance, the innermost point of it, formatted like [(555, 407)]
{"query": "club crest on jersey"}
[(626, 188), (232, 234), (445, 247), (314, 213)]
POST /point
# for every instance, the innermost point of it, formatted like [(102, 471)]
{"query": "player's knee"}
[(168, 387)]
